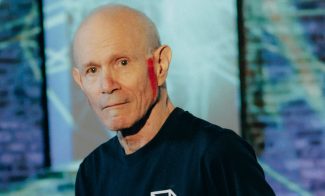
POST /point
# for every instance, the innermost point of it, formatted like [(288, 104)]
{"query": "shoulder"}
[(210, 132), (225, 143), (230, 147), (107, 150), (228, 157), (215, 140)]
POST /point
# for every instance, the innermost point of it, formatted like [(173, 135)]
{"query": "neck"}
[(147, 128)]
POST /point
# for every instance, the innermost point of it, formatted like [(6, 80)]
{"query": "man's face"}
[(113, 73)]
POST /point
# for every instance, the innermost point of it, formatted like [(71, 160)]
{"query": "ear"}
[(162, 58), (76, 76)]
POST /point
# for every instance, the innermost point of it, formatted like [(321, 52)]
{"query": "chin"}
[(114, 127), (117, 125)]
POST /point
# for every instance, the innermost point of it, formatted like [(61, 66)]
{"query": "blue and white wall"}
[(203, 77)]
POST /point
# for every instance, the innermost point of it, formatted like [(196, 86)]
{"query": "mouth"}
[(114, 105)]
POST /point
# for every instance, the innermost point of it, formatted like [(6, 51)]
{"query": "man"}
[(159, 149)]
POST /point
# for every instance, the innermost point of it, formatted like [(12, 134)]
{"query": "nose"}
[(109, 82)]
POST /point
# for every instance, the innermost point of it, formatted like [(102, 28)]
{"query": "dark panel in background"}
[(23, 125), (283, 87)]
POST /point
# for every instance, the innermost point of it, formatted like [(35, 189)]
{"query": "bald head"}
[(121, 20), (120, 66)]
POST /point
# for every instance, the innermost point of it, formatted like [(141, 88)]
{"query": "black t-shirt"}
[(188, 156)]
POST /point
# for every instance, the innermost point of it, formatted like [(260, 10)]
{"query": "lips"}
[(113, 105)]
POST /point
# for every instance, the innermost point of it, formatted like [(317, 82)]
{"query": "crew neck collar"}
[(145, 150)]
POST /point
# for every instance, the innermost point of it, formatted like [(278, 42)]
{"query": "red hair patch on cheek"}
[(152, 77)]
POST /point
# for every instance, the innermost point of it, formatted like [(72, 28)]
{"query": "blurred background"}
[(256, 67)]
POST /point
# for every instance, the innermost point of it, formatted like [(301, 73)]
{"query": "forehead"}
[(104, 35)]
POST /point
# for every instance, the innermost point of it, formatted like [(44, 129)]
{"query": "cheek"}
[(152, 77), (91, 91)]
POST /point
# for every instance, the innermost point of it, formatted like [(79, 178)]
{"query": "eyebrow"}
[(89, 64)]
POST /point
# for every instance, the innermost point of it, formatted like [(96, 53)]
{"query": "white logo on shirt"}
[(167, 192)]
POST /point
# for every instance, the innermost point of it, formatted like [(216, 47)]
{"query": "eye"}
[(124, 62), (91, 70)]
